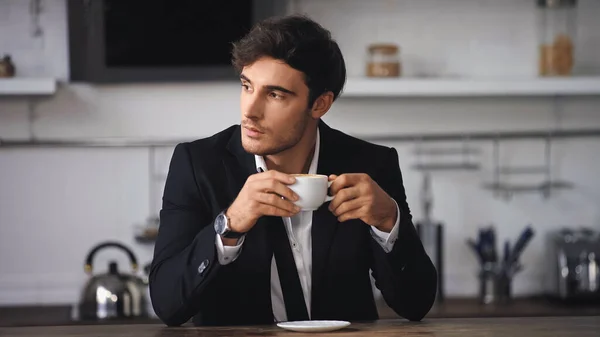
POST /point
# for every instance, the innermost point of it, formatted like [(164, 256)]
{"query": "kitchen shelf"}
[(23, 86), (457, 87)]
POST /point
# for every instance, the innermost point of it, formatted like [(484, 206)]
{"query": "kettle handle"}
[(90, 256)]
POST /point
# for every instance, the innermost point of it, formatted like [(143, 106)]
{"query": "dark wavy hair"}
[(301, 43)]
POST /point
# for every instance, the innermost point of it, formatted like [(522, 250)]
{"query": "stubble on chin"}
[(271, 147), (262, 151)]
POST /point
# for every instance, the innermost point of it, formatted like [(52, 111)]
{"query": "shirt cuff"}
[(387, 240), (228, 254)]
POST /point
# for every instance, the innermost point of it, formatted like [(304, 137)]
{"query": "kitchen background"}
[(56, 203)]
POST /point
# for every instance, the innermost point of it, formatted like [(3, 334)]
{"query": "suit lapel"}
[(240, 164), (324, 223), (238, 167)]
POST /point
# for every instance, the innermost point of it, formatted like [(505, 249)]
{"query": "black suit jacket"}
[(205, 176)]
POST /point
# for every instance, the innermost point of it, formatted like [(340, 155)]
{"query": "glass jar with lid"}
[(556, 23), (383, 61)]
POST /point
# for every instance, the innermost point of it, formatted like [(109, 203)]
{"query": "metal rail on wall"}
[(145, 232), (416, 137)]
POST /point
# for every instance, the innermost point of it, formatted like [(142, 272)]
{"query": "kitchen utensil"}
[(572, 270), (487, 283), (495, 276), (506, 254), (475, 247), (146, 280), (520, 245), (113, 294), (431, 234), (484, 248), (487, 244)]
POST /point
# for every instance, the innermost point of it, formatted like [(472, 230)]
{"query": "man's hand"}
[(357, 196), (262, 195)]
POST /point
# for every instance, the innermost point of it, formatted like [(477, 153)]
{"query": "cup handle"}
[(327, 197)]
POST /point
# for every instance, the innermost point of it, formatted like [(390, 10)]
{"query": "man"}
[(234, 249)]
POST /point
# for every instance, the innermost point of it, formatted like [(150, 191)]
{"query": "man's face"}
[(274, 107)]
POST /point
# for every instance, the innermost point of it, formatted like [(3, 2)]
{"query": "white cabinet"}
[(22, 86), (440, 87)]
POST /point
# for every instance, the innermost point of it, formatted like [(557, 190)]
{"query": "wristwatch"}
[(222, 227)]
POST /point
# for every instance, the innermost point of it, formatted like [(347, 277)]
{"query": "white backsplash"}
[(55, 204)]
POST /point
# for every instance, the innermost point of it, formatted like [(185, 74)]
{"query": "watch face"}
[(220, 224)]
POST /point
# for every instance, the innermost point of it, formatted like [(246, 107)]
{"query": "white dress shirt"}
[(298, 229)]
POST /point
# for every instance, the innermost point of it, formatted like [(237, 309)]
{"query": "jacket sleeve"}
[(405, 276), (185, 258)]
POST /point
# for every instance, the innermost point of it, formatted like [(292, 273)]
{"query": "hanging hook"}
[(35, 9), (418, 146), (547, 186), (465, 149), (496, 159)]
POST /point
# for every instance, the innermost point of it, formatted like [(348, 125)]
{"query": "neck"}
[(298, 158)]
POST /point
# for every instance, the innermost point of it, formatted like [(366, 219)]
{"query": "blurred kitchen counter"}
[(52, 315), (519, 307), (451, 308)]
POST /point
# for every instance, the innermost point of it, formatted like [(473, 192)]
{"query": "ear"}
[(321, 105)]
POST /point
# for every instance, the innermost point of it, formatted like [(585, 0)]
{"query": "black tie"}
[(293, 296)]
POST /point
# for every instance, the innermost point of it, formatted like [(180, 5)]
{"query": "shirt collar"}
[(260, 161)]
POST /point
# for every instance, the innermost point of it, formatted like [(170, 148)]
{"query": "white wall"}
[(50, 198), (42, 55)]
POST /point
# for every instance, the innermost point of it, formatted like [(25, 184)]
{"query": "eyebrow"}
[(270, 87)]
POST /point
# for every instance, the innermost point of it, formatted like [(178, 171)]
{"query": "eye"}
[(246, 87), (275, 95)]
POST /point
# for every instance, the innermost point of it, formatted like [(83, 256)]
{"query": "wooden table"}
[(527, 307), (12, 316), (475, 327)]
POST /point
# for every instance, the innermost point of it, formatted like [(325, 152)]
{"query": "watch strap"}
[(228, 233)]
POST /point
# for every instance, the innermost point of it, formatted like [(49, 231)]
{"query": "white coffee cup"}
[(311, 190)]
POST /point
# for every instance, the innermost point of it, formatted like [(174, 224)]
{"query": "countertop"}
[(513, 327), (523, 307), (451, 308)]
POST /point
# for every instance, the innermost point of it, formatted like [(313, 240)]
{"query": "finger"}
[(347, 206), (271, 199), (279, 176), (266, 209), (354, 214), (332, 177), (275, 186), (344, 195), (272, 174), (343, 181)]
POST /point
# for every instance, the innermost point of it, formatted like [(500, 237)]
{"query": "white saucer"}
[(313, 326)]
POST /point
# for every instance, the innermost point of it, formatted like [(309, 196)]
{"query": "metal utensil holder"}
[(494, 284)]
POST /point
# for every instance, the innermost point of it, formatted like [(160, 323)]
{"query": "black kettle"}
[(113, 295)]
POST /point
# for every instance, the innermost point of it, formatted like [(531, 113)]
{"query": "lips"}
[(253, 132), (253, 129)]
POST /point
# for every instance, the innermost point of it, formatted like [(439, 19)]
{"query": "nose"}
[(252, 106)]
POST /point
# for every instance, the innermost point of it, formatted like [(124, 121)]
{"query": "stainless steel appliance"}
[(432, 235), (573, 266), (113, 295)]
